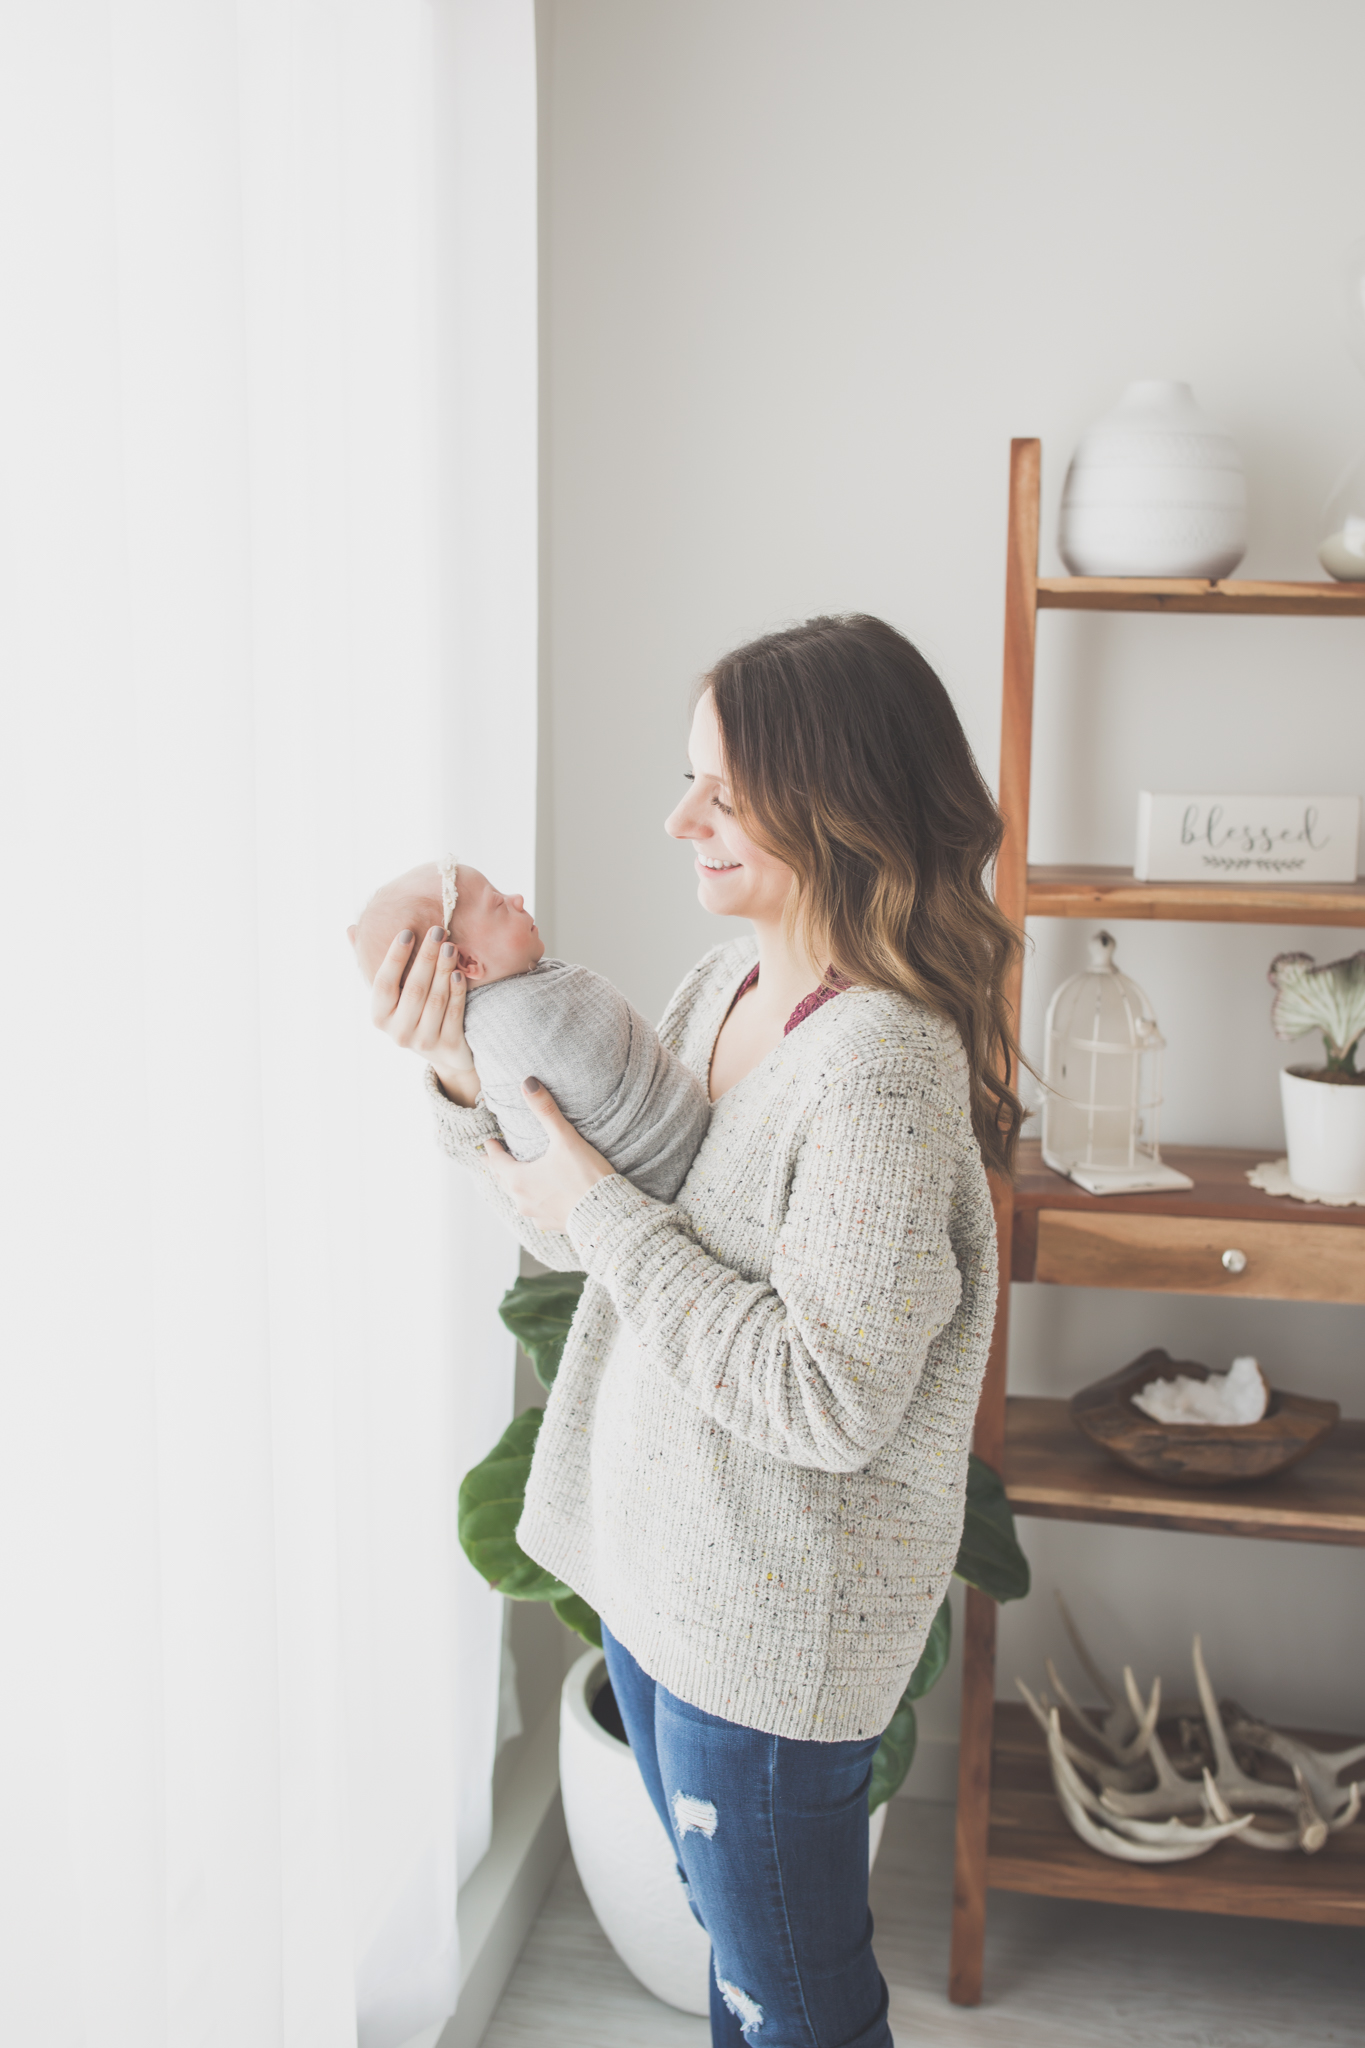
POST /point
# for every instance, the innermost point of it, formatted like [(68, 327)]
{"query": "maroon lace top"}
[(807, 1006)]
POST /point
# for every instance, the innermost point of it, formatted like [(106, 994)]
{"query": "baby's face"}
[(495, 935)]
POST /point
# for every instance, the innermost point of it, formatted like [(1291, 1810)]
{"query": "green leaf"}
[(577, 1615), (934, 1656), (491, 1499), (989, 1556), (895, 1754), (538, 1312)]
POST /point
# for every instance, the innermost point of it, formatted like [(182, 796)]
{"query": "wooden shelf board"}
[(1033, 1849), (1220, 1189), (1086, 891), (1166, 594), (1054, 1472)]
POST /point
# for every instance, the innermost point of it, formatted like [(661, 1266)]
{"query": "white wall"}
[(809, 265)]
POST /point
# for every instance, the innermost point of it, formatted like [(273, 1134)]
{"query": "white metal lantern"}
[(1102, 1076)]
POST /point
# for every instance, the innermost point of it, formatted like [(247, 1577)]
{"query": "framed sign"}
[(1246, 838)]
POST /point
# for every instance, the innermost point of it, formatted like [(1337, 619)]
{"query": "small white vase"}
[(628, 1869), (1155, 488), (1341, 549), (1324, 1128)]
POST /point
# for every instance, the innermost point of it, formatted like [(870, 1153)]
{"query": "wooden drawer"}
[(1184, 1255)]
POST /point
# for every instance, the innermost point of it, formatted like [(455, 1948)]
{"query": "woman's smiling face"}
[(736, 878)]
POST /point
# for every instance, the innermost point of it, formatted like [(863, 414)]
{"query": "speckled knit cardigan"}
[(754, 1456)]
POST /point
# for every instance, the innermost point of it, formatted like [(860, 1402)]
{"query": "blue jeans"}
[(771, 1841)]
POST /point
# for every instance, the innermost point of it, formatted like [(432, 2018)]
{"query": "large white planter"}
[(1324, 1130), (1155, 488), (628, 1869)]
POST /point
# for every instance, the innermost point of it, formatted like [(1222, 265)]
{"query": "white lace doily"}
[(1272, 1176)]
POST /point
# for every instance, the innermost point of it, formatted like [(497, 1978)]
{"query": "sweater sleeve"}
[(461, 1134), (816, 1365)]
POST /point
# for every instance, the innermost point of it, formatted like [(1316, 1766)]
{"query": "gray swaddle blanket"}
[(631, 1098)]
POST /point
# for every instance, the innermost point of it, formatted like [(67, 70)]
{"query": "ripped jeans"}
[(771, 1841)]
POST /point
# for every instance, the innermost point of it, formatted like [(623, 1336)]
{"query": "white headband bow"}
[(450, 894)]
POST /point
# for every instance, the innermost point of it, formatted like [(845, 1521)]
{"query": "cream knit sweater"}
[(754, 1456)]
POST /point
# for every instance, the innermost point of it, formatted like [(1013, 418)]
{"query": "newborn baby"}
[(633, 1100)]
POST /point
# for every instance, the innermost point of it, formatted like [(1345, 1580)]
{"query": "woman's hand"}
[(425, 1013), (546, 1189)]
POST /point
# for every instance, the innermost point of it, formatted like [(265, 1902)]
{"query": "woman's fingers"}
[(545, 1106), (453, 988), (508, 1172), (546, 1189), (429, 1037), (407, 1013), (388, 981)]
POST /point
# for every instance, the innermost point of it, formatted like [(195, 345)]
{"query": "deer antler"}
[(1105, 1774), (1141, 1841), (1117, 1725), (1134, 1815), (1321, 1768)]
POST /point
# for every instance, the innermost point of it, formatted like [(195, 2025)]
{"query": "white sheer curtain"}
[(267, 625)]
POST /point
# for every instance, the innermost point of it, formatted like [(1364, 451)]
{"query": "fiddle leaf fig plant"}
[(538, 1311), (1329, 999)]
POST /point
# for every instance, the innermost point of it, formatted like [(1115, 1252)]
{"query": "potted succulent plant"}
[(1324, 1107), (621, 1851)]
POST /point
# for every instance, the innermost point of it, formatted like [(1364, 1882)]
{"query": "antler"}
[(1140, 1841), (1135, 1813), (1105, 1774), (1321, 1768), (1145, 1717), (1250, 1793), (1117, 1724)]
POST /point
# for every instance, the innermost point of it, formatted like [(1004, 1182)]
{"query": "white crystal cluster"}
[(1237, 1396)]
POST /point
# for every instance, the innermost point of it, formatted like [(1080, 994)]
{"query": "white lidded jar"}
[(1341, 534), (1155, 488), (1341, 549), (1102, 1081)]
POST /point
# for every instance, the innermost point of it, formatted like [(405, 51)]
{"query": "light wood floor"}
[(1057, 1975)]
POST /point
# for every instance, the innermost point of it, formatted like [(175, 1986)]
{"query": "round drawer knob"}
[(1234, 1262)]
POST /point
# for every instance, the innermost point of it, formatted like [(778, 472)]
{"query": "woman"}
[(754, 1456)]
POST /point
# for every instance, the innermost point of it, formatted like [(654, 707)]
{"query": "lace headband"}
[(450, 894)]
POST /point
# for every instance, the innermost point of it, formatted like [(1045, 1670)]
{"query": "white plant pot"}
[(628, 1869), (1324, 1128), (1155, 488)]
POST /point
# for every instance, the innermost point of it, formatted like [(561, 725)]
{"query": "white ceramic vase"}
[(1341, 549), (1324, 1128), (629, 1872), (1155, 488)]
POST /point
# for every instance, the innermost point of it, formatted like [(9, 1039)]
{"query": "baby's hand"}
[(425, 1013)]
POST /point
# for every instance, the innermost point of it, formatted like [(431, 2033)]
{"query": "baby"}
[(631, 1098)]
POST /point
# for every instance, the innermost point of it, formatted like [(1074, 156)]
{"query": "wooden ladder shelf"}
[(1011, 1833)]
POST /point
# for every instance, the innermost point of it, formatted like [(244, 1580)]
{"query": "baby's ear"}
[(470, 968)]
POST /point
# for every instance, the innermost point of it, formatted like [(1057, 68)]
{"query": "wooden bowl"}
[(1197, 1453)]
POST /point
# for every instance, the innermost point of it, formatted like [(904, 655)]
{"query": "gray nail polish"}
[(407, 937), (531, 1085)]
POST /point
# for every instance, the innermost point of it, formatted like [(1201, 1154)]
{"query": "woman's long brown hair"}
[(846, 759)]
